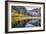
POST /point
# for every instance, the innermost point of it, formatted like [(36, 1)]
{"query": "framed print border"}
[(6, 16)]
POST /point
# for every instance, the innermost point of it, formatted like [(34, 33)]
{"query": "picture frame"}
[(35, 12)]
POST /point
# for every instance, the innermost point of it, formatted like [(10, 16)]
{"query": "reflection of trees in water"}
[(36, 22), (20, 23), (33, 23), (24, 23)]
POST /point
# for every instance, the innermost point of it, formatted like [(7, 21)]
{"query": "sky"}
[(31, 7)]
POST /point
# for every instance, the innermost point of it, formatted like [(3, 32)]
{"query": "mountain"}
[(34, 12)]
